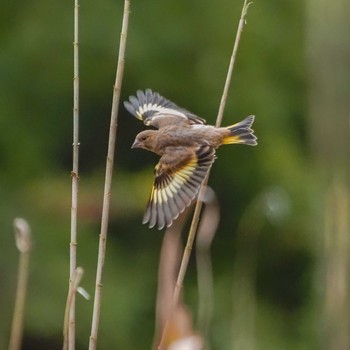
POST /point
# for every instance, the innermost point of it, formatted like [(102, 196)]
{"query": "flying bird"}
[(186, 147)]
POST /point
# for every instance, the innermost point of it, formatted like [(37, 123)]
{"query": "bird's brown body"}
[(187, 149), (182, 135)]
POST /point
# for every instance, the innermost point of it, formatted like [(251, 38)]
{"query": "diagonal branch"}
[(241, 24), (108, 179), (195, 219)]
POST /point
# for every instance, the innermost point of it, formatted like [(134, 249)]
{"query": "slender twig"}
[(75, 177), (241, 24), (75, 281), (195, 220), (24, 245), (108, 178)]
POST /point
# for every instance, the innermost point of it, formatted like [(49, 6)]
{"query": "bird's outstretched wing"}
[(157, 111), (178, 177)]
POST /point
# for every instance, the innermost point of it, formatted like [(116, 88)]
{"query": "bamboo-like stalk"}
[(241, 24), (75, 281), (75, 178), (335, 262), (24, 245), (197, 210), (108, 178)]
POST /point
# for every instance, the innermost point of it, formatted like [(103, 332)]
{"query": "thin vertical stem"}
[(108, 178), (198, 207), (75, 177), (23, 242), (336, 264)]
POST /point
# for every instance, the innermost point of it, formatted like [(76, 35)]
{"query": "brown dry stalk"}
[(108, 178), (75, 281), (195, 220), (75, 178), (24, 245)]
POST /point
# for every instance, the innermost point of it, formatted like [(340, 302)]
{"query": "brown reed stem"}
[(240, 28), (108, 178), (75, 178), (24, 245), (75, 281), (197, 210)]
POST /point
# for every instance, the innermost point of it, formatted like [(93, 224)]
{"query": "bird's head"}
[(146, 140)]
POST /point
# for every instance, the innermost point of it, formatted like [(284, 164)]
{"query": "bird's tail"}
[(241, 132)]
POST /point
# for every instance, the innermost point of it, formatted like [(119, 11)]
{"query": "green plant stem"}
[(198, 207), (108, 178), (75, 178)]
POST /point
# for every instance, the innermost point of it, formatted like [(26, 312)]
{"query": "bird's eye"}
[(143, 138)]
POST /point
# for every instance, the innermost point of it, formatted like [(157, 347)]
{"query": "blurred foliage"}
[(182, 50)]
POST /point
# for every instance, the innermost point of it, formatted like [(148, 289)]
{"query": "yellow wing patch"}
[(138, 115), (176, 185)]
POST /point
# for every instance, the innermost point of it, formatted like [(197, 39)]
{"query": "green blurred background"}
[(291, 192)]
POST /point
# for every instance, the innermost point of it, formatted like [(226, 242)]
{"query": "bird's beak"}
[(136, 144)]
